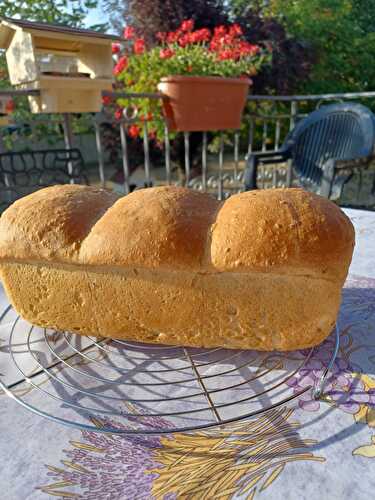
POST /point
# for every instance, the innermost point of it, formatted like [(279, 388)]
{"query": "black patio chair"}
[(21, 173), (324, 148)]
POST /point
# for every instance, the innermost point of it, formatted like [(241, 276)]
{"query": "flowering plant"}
[(222, 52)]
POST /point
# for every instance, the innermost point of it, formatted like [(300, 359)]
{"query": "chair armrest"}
[(335, 174), (264, 157), (279, 155)]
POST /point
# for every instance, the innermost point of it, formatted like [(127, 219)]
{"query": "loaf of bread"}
[(263, 270)]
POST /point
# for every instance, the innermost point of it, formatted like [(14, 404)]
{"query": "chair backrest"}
[(21, 173), (342, 131)]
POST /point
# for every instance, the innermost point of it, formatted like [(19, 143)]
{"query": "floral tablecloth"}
[(311, 449)]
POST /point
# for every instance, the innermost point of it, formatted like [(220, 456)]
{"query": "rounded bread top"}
[(50, 224), (285, 231)]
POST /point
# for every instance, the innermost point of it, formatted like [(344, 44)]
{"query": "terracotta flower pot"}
[(199, 103)]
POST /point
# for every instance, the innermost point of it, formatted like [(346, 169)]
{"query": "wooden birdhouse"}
[(70, 67)]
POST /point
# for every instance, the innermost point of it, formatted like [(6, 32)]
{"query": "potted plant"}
[(203, 75)]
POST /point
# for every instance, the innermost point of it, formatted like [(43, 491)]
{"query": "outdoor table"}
[(305, 449)]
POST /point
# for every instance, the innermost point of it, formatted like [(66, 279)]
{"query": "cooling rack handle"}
[(318, 390)]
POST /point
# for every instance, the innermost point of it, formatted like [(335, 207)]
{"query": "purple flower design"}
[(111, 466), (310, 375), (343, 387)]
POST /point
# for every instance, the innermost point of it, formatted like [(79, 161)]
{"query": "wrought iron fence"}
[(220, 159)]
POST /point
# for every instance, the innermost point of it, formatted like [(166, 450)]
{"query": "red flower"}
[(115, 48), (214, 44), (133, 131), (187, 25), (202, 35), (119, 113), (121, 65), (172, 36), (228, 40), (226, 54), (246, 48), (129, 33), (107, 100), (160, 35), (189, 68), (220, 31), (254, 49), (166, 53), (235, 30), (10, 106), (221, 39), (147, 117), (185, 40), (139, 46)]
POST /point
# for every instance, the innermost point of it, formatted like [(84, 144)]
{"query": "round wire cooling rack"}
[(119, 387)]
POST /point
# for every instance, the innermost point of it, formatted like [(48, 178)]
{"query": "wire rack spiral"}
[(133, 388)]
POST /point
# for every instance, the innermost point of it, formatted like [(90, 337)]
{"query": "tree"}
[(71, 13), (342, 34), (151, 16), (242, 7), (291, 60)]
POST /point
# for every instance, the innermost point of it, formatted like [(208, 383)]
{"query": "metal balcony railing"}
[(267, 120)]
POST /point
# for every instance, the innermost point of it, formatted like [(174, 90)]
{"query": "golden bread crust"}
[(262, 270), (282, 230), (279, 230), (50, 224)]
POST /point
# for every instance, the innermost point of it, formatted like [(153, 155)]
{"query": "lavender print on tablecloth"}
[(106, 466)]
